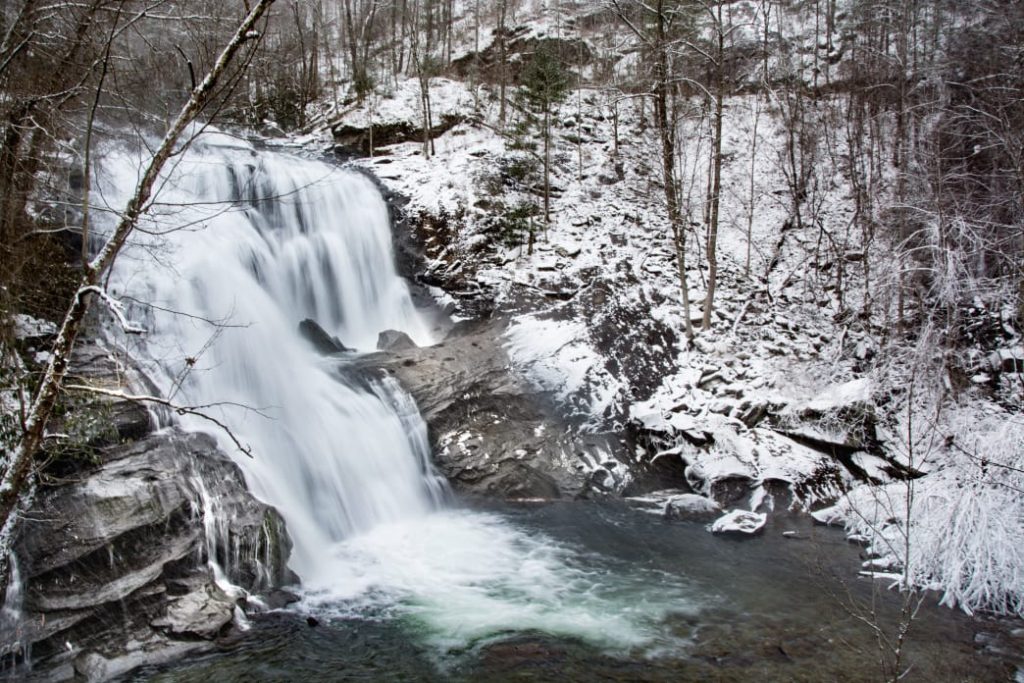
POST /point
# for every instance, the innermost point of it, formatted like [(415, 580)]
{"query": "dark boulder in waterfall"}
[(318, 337), (113, 557), (393, 340)]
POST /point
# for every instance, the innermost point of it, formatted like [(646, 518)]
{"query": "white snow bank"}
[(838, 396), (402, 104)]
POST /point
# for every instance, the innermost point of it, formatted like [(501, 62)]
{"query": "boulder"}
[(203, 612), (128, 538), (739, 522), (492, 434), (113, 555), (355, 139), (318, 337), (393, 340), (690, 505)]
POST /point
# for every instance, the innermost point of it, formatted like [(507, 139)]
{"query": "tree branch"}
[(179, 409), (19, 467)]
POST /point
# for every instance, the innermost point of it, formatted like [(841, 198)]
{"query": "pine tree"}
[(545, 84)]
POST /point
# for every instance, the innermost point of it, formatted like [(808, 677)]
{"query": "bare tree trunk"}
[(87, 144), (547, 164), (753, 176), (667, 133), (579, 109), (419, 59), (449, 20), (716, 178), (19, 468), (615, 128), (503, 63)]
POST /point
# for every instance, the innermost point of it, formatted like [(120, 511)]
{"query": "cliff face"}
[(115, 557), (493, 433)]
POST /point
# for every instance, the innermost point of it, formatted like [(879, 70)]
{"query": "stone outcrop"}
[(114, 556), (316, 335), (491, 433), (356, 139), (520, 45), (393, 340)]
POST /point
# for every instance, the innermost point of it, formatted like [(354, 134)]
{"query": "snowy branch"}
[(178, 409), (114, 306)]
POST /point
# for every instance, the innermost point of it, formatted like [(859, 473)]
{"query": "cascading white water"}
[(269, 240), (10, 609), (241, 247)]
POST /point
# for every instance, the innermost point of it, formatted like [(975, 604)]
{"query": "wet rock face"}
[(491, 433), (121, 555), (321, 341), (113, 558)]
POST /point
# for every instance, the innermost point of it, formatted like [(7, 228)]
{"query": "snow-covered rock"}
[(28, 328), (739, 522), (690, 504)]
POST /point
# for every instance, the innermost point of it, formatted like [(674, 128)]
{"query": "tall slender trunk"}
[(579, 109), (19, 468), (547, 163), (753, 175), (666, 134), (503, 63), (716, 178)]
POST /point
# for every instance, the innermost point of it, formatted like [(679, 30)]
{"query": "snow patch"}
[(740, 522), (556, 356)]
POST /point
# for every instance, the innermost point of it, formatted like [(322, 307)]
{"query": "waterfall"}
[(13, 644), (242, 246), (10, 610)]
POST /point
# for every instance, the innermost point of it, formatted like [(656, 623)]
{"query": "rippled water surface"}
[(594, 591)]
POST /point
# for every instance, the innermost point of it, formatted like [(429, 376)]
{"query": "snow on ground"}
[(402, 103), (783, 367), (555, 357)]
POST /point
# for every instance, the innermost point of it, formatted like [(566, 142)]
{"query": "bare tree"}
[(657, 26), (18, 469)]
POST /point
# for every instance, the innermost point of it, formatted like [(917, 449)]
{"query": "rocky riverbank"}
[(142, 543), (491, 432)]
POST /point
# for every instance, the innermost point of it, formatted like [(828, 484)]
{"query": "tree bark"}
[(667, 135)]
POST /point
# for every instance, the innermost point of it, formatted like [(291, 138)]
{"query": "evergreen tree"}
[(545, 84)]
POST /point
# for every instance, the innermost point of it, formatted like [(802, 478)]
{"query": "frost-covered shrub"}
[(963, 534)]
